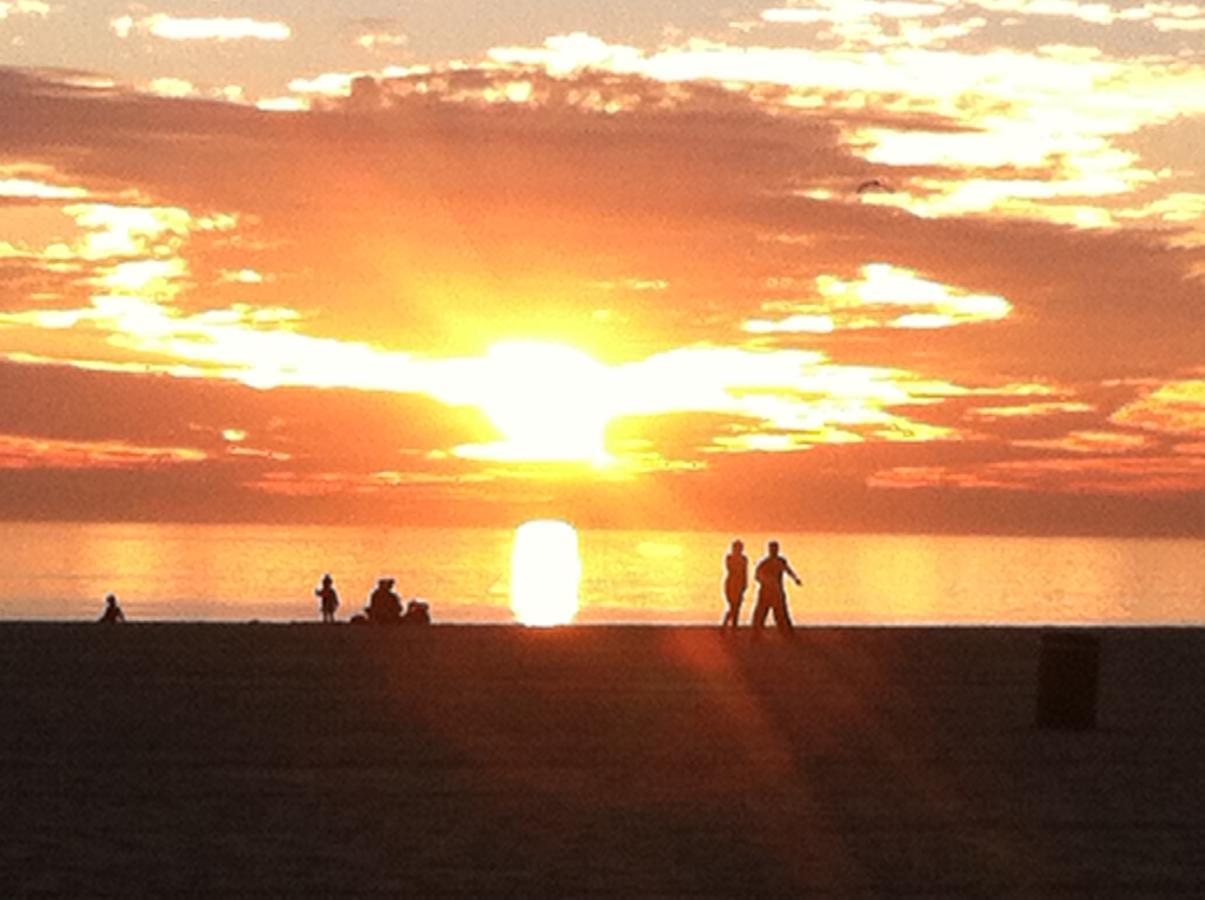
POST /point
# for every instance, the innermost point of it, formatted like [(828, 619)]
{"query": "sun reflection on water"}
[(546, 570)]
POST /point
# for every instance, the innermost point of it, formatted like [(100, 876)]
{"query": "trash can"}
[(1068, 673)]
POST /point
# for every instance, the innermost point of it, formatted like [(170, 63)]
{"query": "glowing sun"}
[(545, 570), (551, 403)]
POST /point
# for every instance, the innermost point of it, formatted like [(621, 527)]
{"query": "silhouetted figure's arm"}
[(787, 568)]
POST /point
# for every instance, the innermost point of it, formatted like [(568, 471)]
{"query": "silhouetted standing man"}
[(771, 595), (329, 598), (736, 579)]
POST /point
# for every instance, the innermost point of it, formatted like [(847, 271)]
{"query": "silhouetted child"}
[(736, 579), (112, 614), (329, 598), (384, 606), (771, 595)]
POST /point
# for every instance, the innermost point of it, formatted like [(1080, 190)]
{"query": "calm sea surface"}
[(63, 571)]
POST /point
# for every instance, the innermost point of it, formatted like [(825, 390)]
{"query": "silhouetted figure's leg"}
[(782, 618), (732, 616), (759, 613)]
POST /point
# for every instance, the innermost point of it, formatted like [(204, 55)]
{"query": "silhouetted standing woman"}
[(329, 598), (736, 579)]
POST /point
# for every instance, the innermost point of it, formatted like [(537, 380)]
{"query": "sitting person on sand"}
[(329, 598), (112, 613), (417, 613), (384, 606)]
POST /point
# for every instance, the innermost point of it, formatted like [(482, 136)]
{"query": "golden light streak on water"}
[(546, 570)]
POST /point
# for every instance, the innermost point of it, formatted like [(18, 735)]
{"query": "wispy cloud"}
[(378, 34), (1011, 120), (23, 8), (20, 452), (1029, 410), (1177, 407), (175, 28), (168, 86), (1160, 15), (874, 301), (1097, 442), (33, 189)]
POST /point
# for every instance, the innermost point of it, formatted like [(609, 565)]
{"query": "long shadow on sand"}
[(484, 760)]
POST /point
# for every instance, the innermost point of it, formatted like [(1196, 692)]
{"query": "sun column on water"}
[(546, 570)]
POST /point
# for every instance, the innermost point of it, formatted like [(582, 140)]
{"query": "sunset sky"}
[(849, 264)]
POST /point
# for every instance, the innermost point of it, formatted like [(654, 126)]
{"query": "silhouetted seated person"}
[(384, 606), (417, 613), (112, 614)]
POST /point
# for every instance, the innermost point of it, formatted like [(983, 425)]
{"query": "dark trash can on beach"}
[(1068, 674)]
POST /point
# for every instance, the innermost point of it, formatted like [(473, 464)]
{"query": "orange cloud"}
[(1006, 116), (332, 484), (112, 230), (1122, 475), (1177, 407), (172, 87), (33, 189), (1089, 442), (1028, 410), (872, 300), (333, 84), (630, 306), (19, 452)]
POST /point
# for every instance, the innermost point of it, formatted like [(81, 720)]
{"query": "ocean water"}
[(243, 572)]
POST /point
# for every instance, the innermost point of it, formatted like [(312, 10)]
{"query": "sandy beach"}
[(301, 759)]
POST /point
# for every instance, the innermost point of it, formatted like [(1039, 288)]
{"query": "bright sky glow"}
[(455, 265)]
